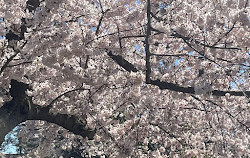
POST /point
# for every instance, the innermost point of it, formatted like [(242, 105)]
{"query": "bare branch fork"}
[(187, 39), (6, 64), (171, 86), (100, 20), (165, 85)]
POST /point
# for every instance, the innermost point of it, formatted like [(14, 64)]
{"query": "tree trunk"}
[(21, 108)]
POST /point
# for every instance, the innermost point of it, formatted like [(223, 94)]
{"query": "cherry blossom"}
[(146, 78)]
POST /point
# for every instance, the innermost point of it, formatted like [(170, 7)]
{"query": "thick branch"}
[(21, 108), (190, 90), (10, 117), (147, 50), (67, 121), (172, 86), (15, 111), (122, 62), (168, 85)]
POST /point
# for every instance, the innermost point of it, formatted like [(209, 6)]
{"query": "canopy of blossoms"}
[(145, 78)]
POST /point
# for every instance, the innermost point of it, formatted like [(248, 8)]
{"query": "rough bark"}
[(21, 108)]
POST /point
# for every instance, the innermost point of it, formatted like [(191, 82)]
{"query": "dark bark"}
[(122, 62), (31, 5), (147, 46), (190, 90), (69, 122), (174, 87), (21, 108)]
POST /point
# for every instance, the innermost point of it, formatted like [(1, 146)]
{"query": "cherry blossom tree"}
[(145, 78)]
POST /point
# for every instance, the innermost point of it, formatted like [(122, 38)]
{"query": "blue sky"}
[(11, 148), (1, 20)]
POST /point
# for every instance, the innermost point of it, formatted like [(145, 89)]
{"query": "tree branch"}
[(70, 122), (26, 62), (168, 85), (17, 51), (122, 62), (190, 90), (147, 50), (224, 34), (133, 36), (54, 100), (155, 17), (170, 55), (100, 20), (186, 39), (7, 62), (12, 113), (229, 114), (169, 133)]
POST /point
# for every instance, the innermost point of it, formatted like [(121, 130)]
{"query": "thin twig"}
[(53, 101), (224, 34), (26, 62), (229, 114), (170, 55)]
